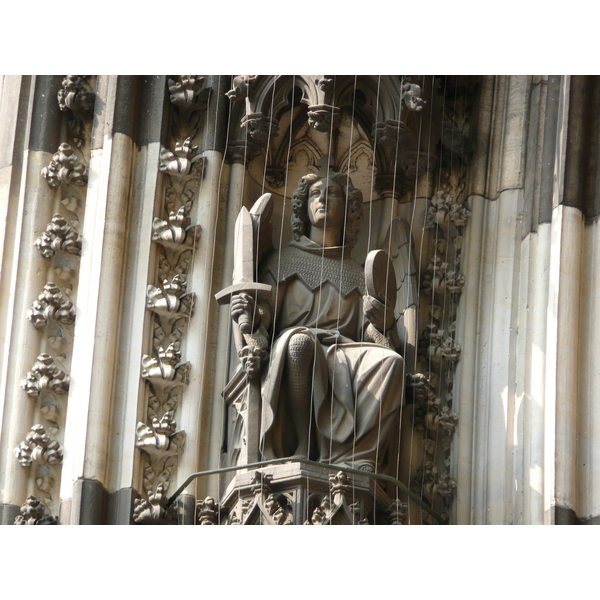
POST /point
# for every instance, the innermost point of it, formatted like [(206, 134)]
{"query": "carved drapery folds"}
[(169, 303)]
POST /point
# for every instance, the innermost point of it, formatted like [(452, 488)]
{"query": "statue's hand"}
[(244, 313), (380, 316)]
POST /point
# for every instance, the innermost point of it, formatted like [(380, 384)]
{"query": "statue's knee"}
[(300, 347)]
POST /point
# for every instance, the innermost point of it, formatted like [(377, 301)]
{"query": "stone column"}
[(94, 364), (204, 279), (28, 203)]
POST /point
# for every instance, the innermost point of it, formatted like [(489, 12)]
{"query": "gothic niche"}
[(327, 327)]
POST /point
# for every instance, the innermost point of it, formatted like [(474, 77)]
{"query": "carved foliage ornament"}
[(60, 236), (182, 160), (154, 511), (160, 440), (52, 305), (65, 168), (167, 367), (39, 447), (45, 375), (170, 300), (74, 96), (187, 93), (32, 513), (176, 231)]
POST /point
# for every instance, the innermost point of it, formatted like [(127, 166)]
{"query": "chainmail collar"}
[(315, 265)]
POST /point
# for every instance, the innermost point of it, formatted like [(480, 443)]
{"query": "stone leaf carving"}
[(171, 300), (177, 231), (411, 95), (444, 206), (39, 447), (74, 96), (207, 511), (45, 375), (186, 92), (182, 160), (167, 367), (52, 305), (260, 127), (32, 513), (323, 118), (160, 440), (453, 282), (65, 168), (154, 511), (60, 236), (429, 482)]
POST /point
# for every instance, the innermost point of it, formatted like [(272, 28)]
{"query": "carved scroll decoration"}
[(33, 513)]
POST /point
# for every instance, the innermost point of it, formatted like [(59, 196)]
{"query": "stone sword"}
[(244, 263)]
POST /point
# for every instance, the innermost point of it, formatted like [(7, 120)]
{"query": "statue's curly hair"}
[(354, 215)]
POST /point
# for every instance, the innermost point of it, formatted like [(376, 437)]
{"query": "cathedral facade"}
[(299, 299)]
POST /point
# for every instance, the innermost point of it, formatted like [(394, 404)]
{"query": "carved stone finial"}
[(207, 511), (154, 511), (65, 168), (52, 305), (39, 447), (396, 512), (187, 93), (45, 375), (60, 236), (74, 96), (32, 513)]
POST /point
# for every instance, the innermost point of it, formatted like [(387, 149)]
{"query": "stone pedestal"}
[(296, 494)]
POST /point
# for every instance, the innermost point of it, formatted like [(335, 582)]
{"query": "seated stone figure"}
[(332, 384)]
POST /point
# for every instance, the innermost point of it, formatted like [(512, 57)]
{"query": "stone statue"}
[(331, 381)]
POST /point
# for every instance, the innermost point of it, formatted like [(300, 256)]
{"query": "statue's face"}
[(326, 204)]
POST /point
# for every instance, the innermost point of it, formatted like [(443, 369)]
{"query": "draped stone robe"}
[(357, 385)]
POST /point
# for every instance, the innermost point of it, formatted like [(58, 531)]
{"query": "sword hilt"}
[(256, 290)]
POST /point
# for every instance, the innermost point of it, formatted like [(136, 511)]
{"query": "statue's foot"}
[(364, 465), (302, 450)]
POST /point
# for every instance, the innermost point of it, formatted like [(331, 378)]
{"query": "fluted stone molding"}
[(91, 397), (29, 110)]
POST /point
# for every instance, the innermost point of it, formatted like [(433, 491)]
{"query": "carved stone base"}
[(297, 494)]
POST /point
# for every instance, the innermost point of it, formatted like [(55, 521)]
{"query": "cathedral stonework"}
[(299, 300)]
